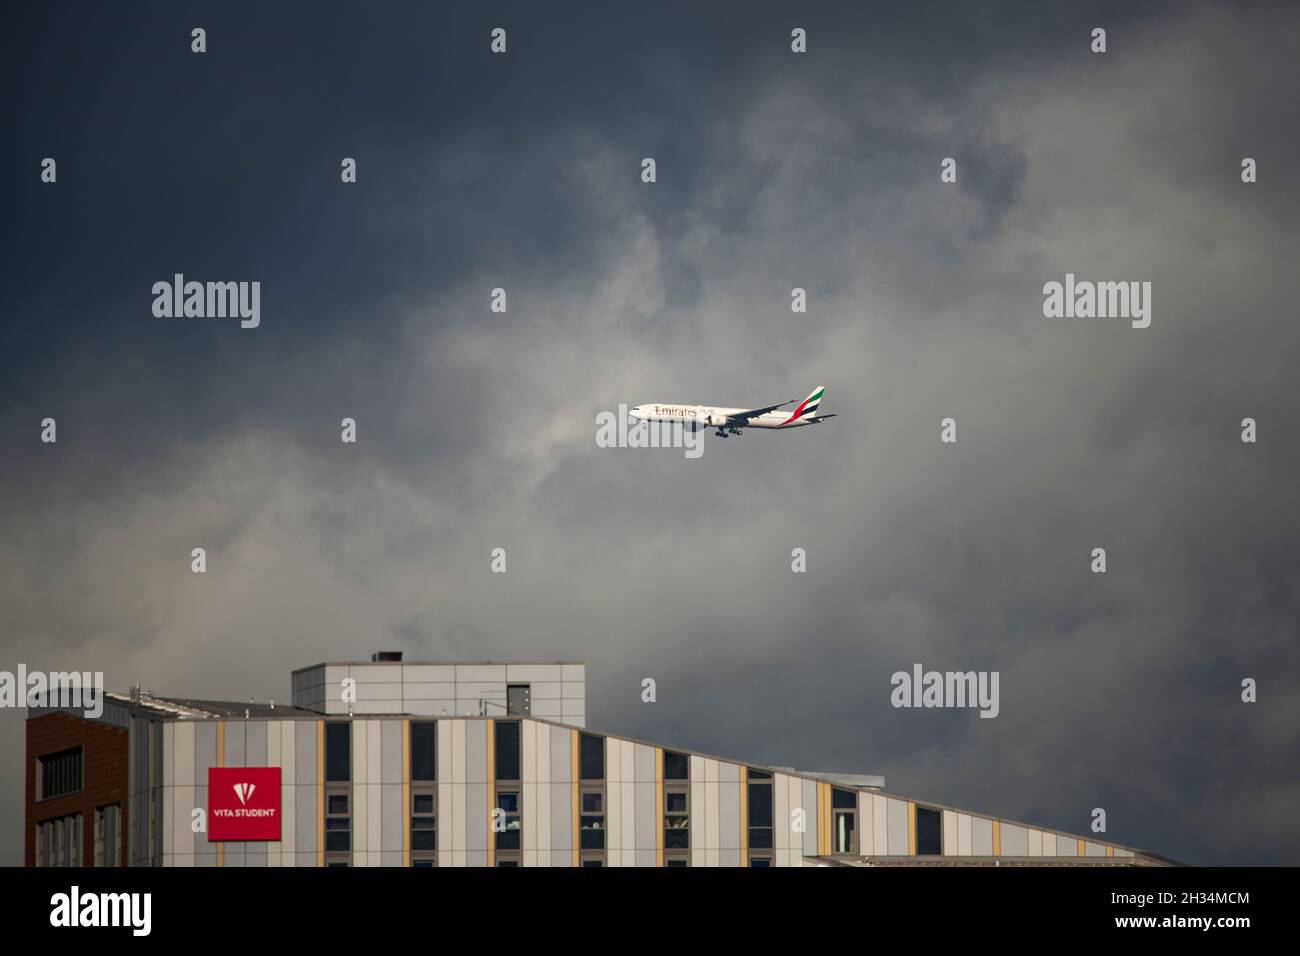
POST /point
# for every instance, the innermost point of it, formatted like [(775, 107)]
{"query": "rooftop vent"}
[(389, 657)]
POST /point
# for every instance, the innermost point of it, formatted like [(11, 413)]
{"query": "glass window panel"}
[(507, 749), (760, 805), (591, 757), (424, 763), (676, 766), (338, 751)]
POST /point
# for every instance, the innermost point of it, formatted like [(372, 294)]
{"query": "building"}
[(392, 763)]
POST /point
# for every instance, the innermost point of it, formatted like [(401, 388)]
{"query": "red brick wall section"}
[(104, 776)]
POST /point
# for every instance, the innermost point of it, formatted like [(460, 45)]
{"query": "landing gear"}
[(720, 433), (735, 431)]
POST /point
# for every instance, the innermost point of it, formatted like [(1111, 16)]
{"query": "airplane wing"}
[(755, 412)]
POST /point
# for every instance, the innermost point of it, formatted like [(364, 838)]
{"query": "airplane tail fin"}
[(808, 407)]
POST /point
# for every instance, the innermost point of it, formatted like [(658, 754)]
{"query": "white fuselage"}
[(713, 416)]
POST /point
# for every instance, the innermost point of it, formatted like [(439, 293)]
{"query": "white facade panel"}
[(480, 674), (951, 840), (780, 813), (286, 731), (376, 673), (712, 837), (533, 673), (429, 674), (366, 706), (880, 824), (963, 834), (1035, 842)]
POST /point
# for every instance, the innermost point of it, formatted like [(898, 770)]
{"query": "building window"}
[(759, 792), (592, 832), (760, 862), (507, 823), (591, 826), (507, 827), (844, 819), (677, 823), (519, 700), (338, 752), (338, 835), (424, 750), (424, 796), (591, 757), (338, 823), (338, 793), (507, 749), (929, 832), (60, 774), (676, 766), (424, 826)]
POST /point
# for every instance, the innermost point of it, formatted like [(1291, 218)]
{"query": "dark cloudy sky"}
[(477, 430)]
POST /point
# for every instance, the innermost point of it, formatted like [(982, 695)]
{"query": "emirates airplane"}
[(729, 421)]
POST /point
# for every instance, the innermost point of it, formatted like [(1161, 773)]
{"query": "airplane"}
[(729, 421)]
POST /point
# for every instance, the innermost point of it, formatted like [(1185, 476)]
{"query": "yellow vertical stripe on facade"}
[(1082, 851), (1110, 851), (823, 819), (911, 829), (406, 793), (221, 762), (997, 837), (659, 806), (320, 793), (491, 792), (573, 804), (829, 823), (820, 818), (744, 817)]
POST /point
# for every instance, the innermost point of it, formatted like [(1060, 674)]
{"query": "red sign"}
[(243, 803)]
